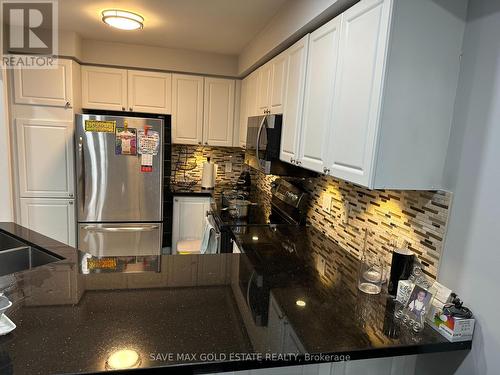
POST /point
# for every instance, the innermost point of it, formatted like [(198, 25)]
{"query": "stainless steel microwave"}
[(263, 143)]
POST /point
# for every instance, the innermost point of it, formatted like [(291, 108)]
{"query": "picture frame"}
[(419, 303)]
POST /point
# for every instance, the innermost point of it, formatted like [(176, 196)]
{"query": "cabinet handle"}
[(70, 195), (199, 143), (298, 162), (67, 105), (123, 108), (326, 170), (131, 109), (70, 203), (206, 143), (176, 200), (292, 160)]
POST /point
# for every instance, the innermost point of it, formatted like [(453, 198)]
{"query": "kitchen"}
[(185, 197)]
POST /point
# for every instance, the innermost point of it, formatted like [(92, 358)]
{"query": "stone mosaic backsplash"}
[(195, 156), (419, 217)]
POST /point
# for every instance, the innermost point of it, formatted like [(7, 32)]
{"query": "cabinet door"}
[(187, 109), (275, 328), (51, 87), (278, 81), (149, 92), (45, 158), (218, 112), (54, 218), (188, 219), (318, 99), (243, 113), (294, 98), (291, 342), (356, 105), (264, 88), (252, 109), (104, 88)]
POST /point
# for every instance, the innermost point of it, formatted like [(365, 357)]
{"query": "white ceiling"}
[(221, 26)]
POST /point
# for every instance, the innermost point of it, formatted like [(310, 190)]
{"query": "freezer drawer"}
[(123, 239)]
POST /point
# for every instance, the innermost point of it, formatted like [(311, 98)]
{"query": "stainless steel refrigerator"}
[(119, 185)]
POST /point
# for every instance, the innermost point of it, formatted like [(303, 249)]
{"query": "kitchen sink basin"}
[(23, 258), (7, 242)]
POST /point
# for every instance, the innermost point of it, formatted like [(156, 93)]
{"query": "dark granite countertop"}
[(194, 308)]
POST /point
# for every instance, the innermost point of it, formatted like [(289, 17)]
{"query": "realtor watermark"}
[(29, 33), (274, 357)]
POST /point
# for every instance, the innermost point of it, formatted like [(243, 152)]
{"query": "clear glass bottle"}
[(371, 267)]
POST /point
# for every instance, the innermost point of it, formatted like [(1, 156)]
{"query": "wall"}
[(140, 56), (292, 21), (419, 217), (471, 258)]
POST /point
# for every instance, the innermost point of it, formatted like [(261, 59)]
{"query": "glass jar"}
[(371, 267)]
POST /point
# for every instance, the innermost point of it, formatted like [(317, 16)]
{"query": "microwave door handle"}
[(258, 138)]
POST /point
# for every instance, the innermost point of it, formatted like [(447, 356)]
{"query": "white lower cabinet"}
[(54, 218), (404, 365), (281, 338), (188, 219)]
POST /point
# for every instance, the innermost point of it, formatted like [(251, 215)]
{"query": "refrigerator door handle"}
[(82, 171), (148, 228)]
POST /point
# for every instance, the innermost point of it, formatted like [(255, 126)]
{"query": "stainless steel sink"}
[(7, 242), (15, 256)]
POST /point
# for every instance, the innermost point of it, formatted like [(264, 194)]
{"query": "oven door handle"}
[(248, 289), (258, 138)]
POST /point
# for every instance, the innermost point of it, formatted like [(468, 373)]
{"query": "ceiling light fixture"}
[(122, 19)]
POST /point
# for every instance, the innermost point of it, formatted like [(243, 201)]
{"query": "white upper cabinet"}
[(50, 87), (296, 57), (264, 88), (126, 90), (252, 86), (271, 83), (218, 112), (278, 81), (45, 158), (243, 113), (104, 88), (318, 99), (187, 109), (149, 92), (374, 118), (358, 90)]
